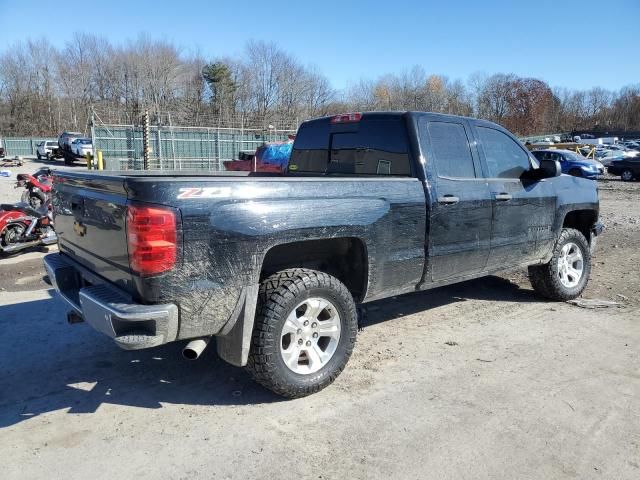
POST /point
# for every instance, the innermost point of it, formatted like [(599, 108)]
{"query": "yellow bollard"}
[(100, 164), (89, 160)]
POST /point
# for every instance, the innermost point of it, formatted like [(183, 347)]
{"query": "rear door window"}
[(451, 151)]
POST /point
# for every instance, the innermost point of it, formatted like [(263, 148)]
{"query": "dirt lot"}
[(478, 380)]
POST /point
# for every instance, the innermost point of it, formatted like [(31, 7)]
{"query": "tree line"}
[(46, 89)]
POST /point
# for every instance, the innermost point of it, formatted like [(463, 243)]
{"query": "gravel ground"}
[(477, 380)]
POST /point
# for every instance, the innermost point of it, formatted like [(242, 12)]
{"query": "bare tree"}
[(44, 90), (268, 64)]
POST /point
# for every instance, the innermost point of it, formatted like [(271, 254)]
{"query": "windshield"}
[(573, 156)]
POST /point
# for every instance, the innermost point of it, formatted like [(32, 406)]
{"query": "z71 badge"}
[(207, 192)]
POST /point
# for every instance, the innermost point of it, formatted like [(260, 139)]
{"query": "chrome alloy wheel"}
[(310, 335), (570, 265)]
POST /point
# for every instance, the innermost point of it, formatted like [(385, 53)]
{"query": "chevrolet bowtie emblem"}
[(80, 229)]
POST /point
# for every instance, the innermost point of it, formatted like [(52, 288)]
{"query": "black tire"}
[(545, 279), (278, 296), (575, 172), (12, 234), (627, 175), (38, 155)]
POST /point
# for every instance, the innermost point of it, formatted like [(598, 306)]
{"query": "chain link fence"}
[(23, 146), (178, 148)]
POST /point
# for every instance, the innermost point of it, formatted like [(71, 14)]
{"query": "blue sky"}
[(574, 44)]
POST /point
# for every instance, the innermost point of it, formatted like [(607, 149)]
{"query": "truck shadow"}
[(487, 288), (47, 365)]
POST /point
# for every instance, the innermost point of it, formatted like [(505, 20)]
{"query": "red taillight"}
[(347, 118), (152, 239)]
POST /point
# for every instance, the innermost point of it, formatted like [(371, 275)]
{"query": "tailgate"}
[(90, 220)]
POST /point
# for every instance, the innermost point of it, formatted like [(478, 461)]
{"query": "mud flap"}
[(597, 229), (234, 344)]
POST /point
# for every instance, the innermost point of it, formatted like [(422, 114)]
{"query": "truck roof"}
[(397, 114)]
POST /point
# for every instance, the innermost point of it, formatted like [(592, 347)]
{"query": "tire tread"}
[(274, 294), (543, 278)]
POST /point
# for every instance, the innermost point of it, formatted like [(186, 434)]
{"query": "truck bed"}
[(227, 224)]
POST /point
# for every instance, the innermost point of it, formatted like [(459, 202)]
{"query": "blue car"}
[(572, 163)]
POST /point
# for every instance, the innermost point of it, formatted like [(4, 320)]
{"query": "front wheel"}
[(38, 155), (626, 175), (304, 333), (567, 273)]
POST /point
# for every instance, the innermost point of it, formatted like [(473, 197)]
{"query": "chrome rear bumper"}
[(110, 310)]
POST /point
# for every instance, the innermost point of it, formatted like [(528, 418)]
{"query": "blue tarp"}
[(275, 153)]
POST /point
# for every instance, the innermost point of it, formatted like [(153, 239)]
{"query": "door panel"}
[(460, 231), (460, 216), (523, 216), (523, 210)]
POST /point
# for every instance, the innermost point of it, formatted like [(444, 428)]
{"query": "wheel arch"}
[(582, 220), (343, 257)]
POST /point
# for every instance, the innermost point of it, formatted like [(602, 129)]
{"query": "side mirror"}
[(549, 169)]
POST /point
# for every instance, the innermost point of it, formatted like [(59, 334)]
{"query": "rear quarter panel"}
[(229, 225)]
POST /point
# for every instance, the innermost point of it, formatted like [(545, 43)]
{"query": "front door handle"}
[(503, 197), (448, 199)]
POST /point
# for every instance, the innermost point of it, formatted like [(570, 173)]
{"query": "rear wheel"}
[(567, 273), (12, 234), (38, 155), (304, 333), (626, 175)]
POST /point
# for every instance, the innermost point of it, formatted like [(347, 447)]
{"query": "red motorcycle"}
[(37, 187), (22, 226)]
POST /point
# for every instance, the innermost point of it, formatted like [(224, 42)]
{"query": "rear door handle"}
[(503, 197), (448, 199)]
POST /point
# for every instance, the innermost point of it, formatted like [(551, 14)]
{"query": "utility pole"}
[(145, 139)]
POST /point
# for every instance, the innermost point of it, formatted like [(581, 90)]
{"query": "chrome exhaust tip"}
[(194, 348)]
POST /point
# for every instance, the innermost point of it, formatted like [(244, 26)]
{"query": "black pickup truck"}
[(372, 205)]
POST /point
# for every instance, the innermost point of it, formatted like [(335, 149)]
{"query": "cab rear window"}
[(368, 147)]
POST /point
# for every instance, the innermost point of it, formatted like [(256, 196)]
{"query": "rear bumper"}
[(109, 309)]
